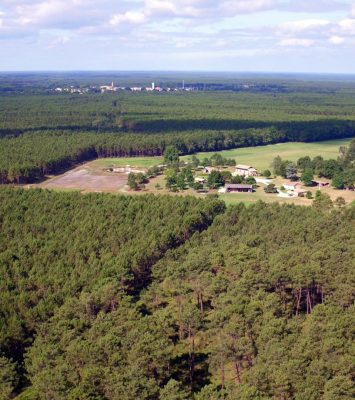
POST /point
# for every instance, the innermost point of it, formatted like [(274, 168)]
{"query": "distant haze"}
[(197, 35)]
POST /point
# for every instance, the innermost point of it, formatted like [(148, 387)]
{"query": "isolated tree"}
[(277, 166), (266, 173), (291, 171), (307, 177), (171, 155), (271, 188), (132, 181), (170, 178)]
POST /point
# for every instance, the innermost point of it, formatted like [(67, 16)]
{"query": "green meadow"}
[(261, 157)]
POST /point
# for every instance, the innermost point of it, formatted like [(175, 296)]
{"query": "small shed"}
[(292, 185), (239, 188), (300, 192), (200, 179)]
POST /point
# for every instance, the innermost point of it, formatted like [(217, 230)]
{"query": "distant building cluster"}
[(113, 88)]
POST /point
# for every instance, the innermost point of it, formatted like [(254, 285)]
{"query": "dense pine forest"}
[(45, 133), (117, 297)]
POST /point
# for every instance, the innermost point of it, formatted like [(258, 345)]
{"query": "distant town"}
[(156, 88), (114, 88)]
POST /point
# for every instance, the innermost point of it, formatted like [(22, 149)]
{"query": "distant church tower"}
[(153, 85)]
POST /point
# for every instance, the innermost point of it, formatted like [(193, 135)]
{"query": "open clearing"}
[(261, 157), (93, 176), (141, 162), (88, 179)]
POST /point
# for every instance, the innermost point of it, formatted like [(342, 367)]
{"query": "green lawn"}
[(261, 157)]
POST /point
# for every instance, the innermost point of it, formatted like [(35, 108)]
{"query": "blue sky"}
[(204, 35)]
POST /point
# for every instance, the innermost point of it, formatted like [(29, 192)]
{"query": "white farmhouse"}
[(245, 170)]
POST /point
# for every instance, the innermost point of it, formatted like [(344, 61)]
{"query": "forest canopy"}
[(106, 297)]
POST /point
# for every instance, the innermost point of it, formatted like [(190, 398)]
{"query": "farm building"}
[(300, 192), (321, 184), (200, 179), (245, 170), (292, 185), (230, 188)]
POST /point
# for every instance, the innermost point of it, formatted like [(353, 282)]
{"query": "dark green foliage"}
[(322, 201), (274, 290), (8, 378), (85, 256), (338, 181), (137, 180), (307, 177), (266, 173), (171, 155), (257, 306), (304, 163), (215, 180), (270, 188)]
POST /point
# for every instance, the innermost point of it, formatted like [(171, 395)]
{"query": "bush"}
[(271, 188)]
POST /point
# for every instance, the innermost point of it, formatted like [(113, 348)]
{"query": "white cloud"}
[(303, 25), (347, 26), (296, 42), (247, 6), (337, 40), (162, 8), (315, 6), (130, 17), (352, 12)]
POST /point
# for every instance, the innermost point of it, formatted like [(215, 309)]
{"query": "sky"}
[(316, 36)]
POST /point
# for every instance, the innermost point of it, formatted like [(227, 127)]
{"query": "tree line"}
[(31, 156)]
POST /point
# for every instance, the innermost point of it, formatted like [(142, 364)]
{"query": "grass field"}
[(261, 157)]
